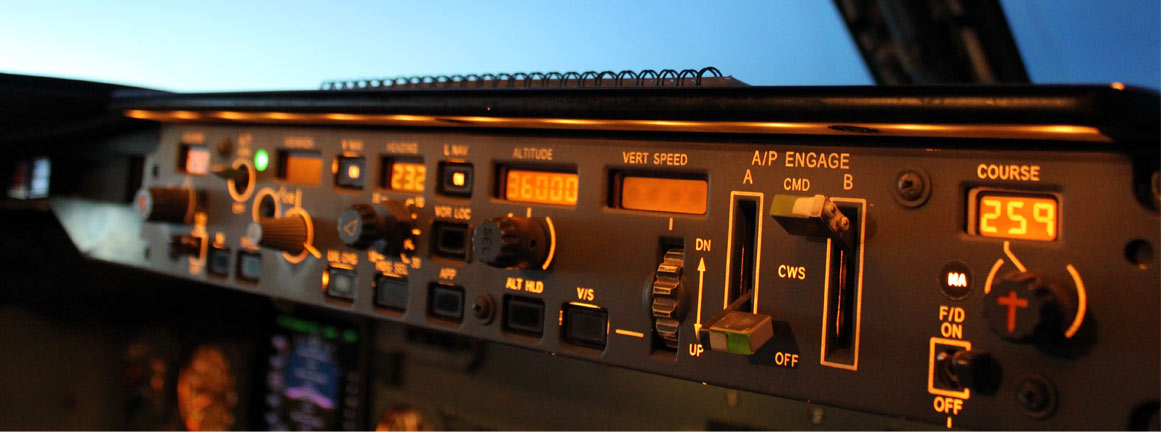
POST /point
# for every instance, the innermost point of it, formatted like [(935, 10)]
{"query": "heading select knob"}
[(287, 234), (362, 226), (512, 242)]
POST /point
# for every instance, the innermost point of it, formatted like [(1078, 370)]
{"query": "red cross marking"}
[(1012, 301)]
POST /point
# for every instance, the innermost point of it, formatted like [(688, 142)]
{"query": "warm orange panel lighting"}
[(664, 195), (1003, 131), (302, 167), (544, 187), (1018, 217)]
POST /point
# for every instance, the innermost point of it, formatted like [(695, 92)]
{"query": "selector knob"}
[(176, 205), (361, 226), (512, 242), (1027, 306), (287, 234)]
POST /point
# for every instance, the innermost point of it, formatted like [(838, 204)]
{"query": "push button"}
[(391, 292), (586, 325), (340, 283), (446, 302), (249, 266), (349, 173), (219, 261), (455, 179)]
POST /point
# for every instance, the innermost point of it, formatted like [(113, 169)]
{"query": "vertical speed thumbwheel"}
[(665, 293)]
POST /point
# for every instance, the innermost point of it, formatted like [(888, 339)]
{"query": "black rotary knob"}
[(287, 234), (512, 242), (1027, 306), (385, 229), (175, 205)]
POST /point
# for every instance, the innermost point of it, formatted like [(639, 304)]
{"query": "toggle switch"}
[(815, 216), (738, 332)]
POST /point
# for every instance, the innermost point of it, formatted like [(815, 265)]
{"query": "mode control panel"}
[(955, 282)]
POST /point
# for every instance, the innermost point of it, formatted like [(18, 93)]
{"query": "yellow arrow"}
[(350, 226), (700, 285)]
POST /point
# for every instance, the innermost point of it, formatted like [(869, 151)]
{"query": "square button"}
[(340, 283), (391, 292), (455, 179), (219, 261), (446, 302), (350, 172), (249, 266), (586, 326)]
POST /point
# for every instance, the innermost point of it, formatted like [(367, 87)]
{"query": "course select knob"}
[(1027, 306), (512, 242), (287, 234), (363, 226), (176, 205)]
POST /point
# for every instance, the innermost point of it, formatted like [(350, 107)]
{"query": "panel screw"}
[(816, 415), (225, 147), (482, 308), (1036, 397), (912, 187)]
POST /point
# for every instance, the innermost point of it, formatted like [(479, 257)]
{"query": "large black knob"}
[(363, 226), (176, 205), (512, 242), (1027, 307), (287, 234)]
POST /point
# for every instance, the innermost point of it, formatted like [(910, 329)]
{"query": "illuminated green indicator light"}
[(261, 160)]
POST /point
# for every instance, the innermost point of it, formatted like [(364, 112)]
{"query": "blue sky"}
[(236, 45)]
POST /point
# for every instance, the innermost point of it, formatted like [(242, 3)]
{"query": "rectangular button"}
[(249, 266), (350, 172), (391, 292), (446, 302), (586, 325), (524, 315), (340, 283), (219, 262)]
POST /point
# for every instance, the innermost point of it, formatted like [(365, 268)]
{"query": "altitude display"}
[(1020, 217), (544, 187)]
